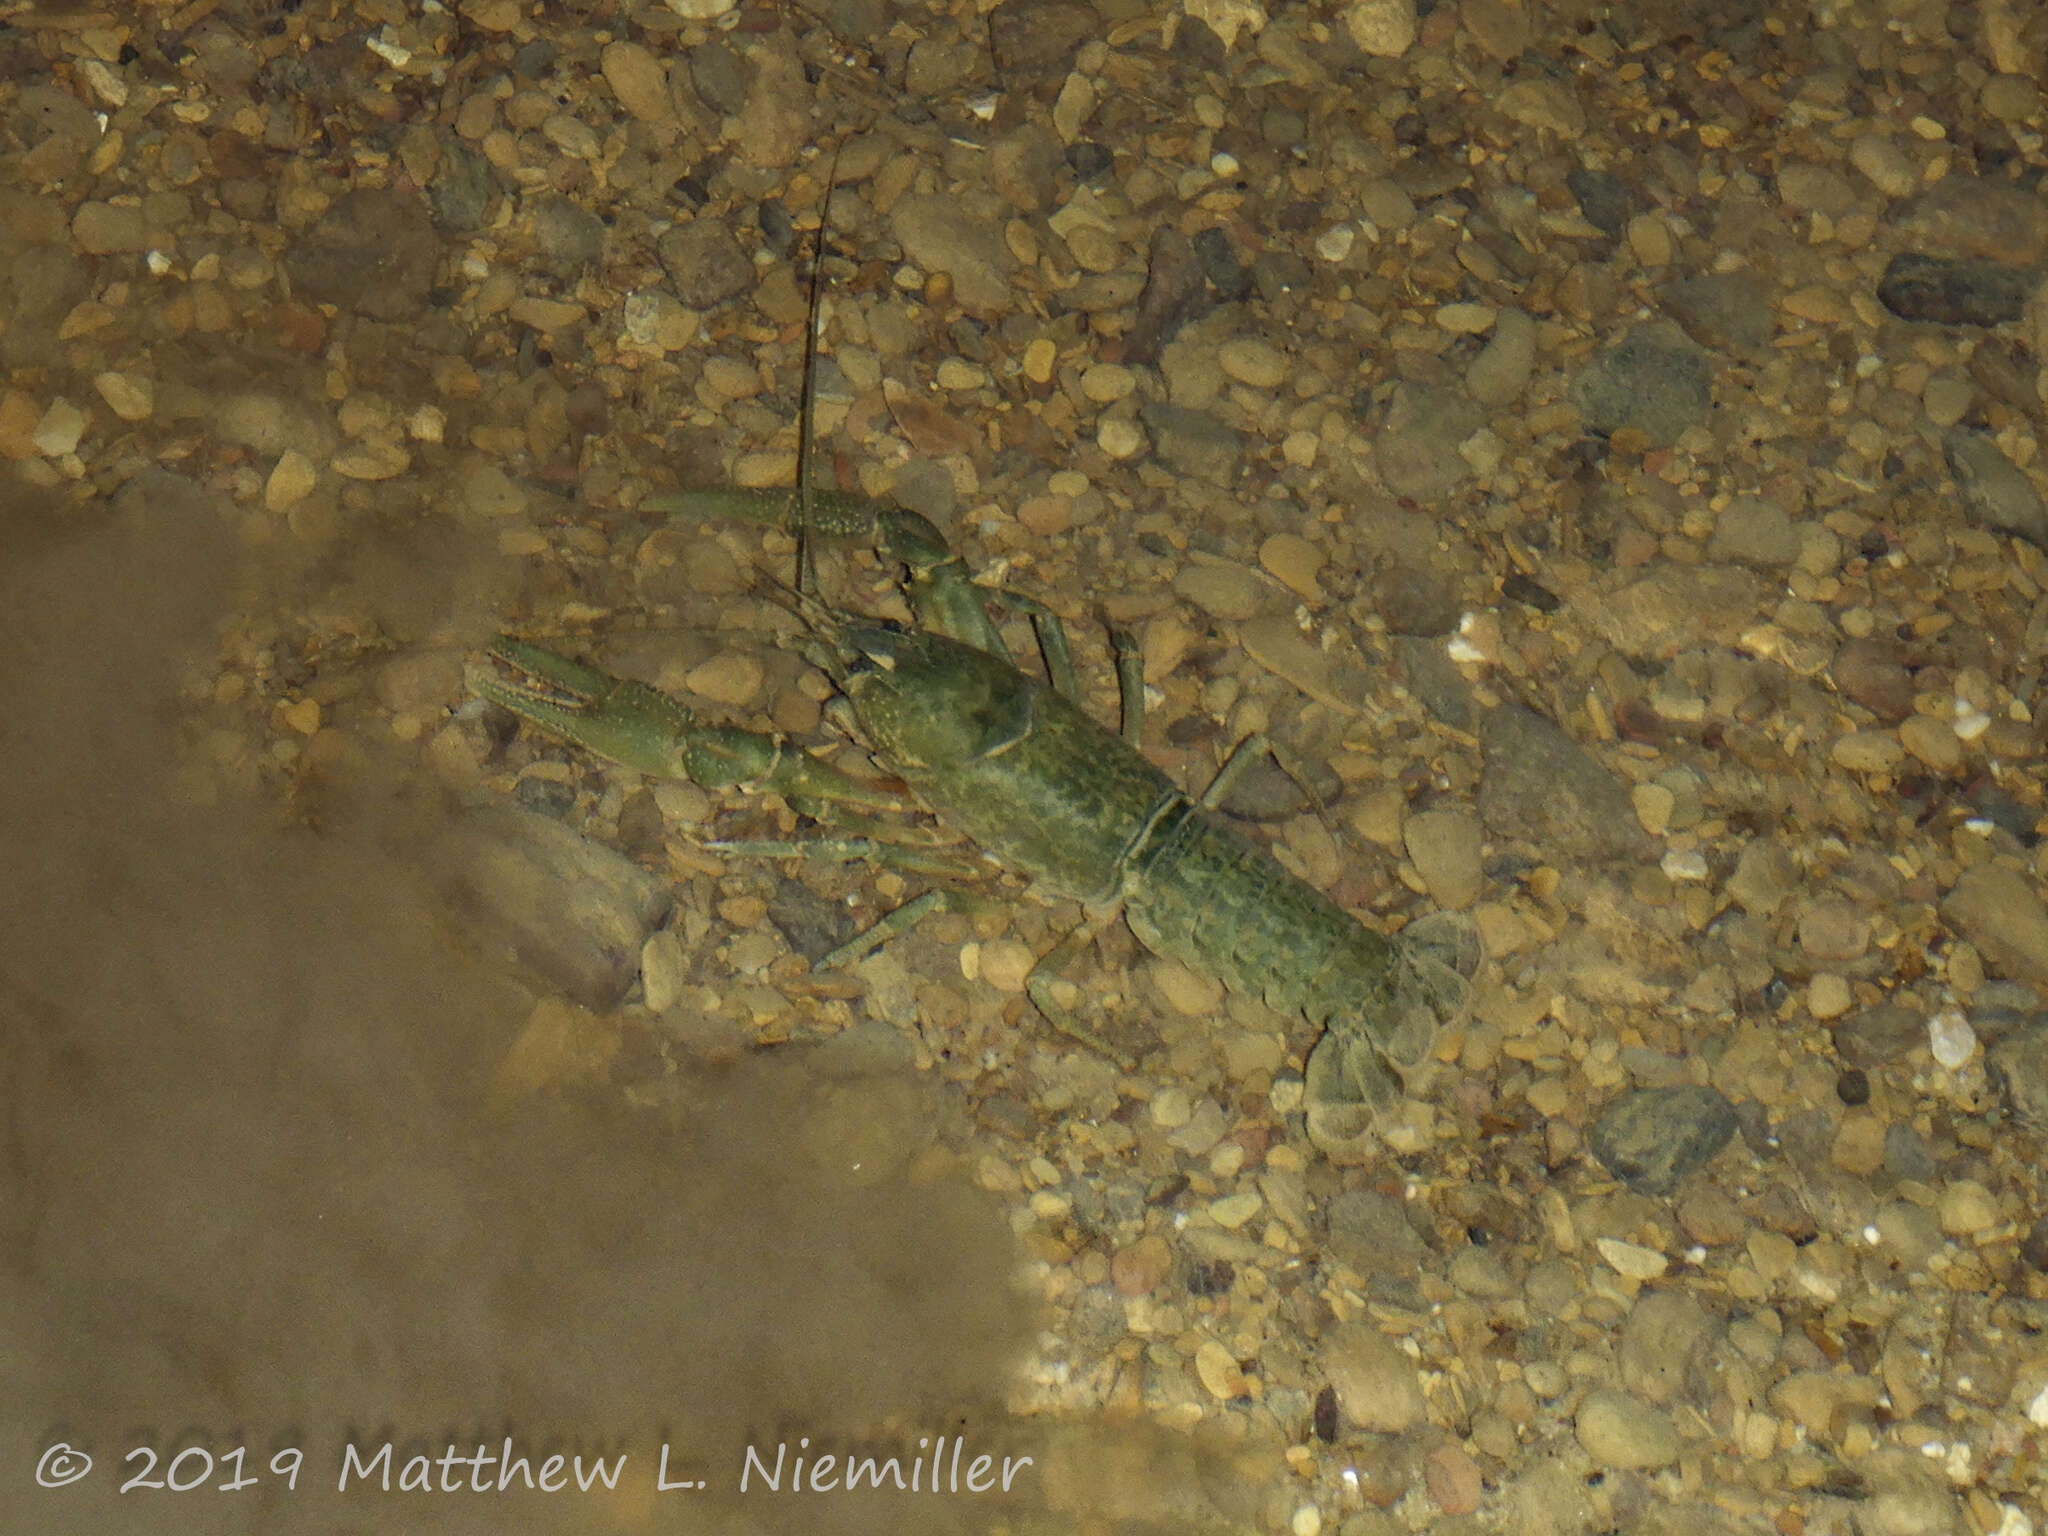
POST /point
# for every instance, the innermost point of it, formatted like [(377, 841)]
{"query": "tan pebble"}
[(1858, 1146), (1294, 562), (1187, 992), (1631, 1260), (1772, 1255), (1867, 752), (1217, 1368), (1453, 1479), (1039, 358), (683, 805), (1947, 399), (19, 414), (130, 396), (1378, 815), (1827, 996), (664, 970), (1554, 1098), (1320, 858), (1654, 805), (1047, 516), (1445, 847), (1248, 1053), (638, 79), (956, 373), (547, 314), (743, 911), (753, 951), (1967, 1208), (303, 716), (291, 481), (1107, 383), (1467, 319), (763, 471), (1649, 238), (1253, 362), (1276, 643), (731, 678), (1233, 1211), (371, 461), (1171, 1107), (1140, 1268), (1890, 169), (1166, 643), (1382, 28), (732, 378), (1617, 1429), (60, 429), (1006, 964), (1833, 930), (1120, 437), (2011, 98), (997, 1176), (1222, 589), (1373, 1378), (1932, 741), (1821, 306), (1300, 449)]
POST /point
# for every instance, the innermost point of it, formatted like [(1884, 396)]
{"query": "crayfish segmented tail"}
[(1036, 782)]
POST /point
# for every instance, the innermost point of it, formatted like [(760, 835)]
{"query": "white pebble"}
[(1333, 245), (1683, 865), (1951, 1039)]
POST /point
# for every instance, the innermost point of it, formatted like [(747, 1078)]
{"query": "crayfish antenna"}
[(806, 571)]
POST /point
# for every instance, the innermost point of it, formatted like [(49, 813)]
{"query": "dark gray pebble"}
[(1653, 1138)]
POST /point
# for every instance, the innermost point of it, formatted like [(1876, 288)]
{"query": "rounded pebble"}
[(1621, 1431)]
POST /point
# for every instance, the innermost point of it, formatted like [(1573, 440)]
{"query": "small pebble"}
[(1252, 362), (1966, 1208), (1828, 996), (1621, 1431), (1445, 847), (60, 429), (1375, 1380), (1218, 1370), (1140, 1268), (1295, 563), (1951, 1039), (1006, 964), (732, 678), (130, 396)]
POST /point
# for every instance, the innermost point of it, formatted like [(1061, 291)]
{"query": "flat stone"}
[(109, 229), (130, 396), (1223, 589), (1619, 1430), (1674, 608), (1996, 908), (639, 80), (60, 429), (938, 235), (374, 251), (1539, 785), (1252, 362), (1653, 1137), (1376, 1383), (1445, 847), (577, 913), (291, 481)]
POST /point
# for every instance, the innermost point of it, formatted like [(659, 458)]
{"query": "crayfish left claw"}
[(641, 727)]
